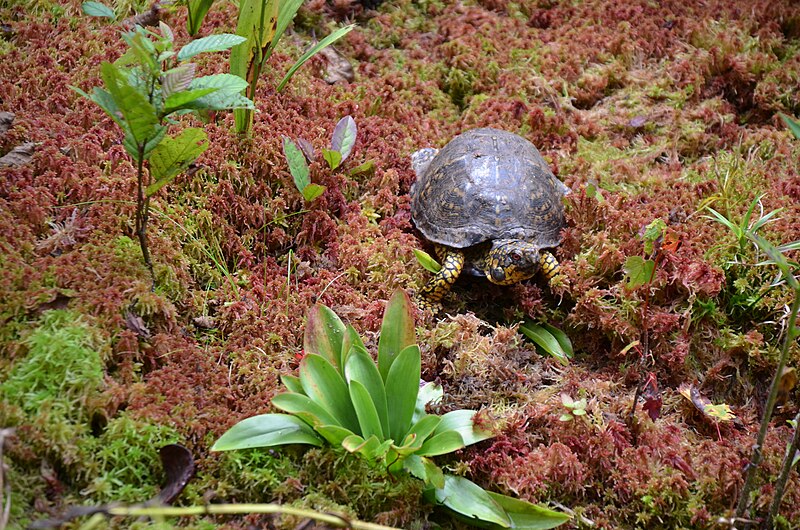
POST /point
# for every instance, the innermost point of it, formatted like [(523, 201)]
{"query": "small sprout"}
[(638, 271), (427, 261), (550, 339), (652, 233), (96, 9), (574, 408)]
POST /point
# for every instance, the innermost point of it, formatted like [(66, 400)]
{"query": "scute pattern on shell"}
[(488, 184)]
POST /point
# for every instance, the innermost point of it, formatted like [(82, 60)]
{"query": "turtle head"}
[(511, 260)]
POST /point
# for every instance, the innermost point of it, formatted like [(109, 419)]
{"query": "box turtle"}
[(490, 203)]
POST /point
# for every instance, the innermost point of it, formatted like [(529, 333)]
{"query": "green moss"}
[(62, 368), (123, 464)]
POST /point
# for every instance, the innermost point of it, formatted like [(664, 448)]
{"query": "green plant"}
[(147, 85), (574, 408), (262, 23), (549, 339), (342, 397), (342, 142)]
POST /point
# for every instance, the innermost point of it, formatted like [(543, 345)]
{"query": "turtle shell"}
[(488, 184)]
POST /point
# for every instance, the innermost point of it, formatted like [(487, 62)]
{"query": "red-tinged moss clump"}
[(649, 112)]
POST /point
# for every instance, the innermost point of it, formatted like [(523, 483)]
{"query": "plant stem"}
[(780, 484), (755, 460), (222, 509), (142, 211)]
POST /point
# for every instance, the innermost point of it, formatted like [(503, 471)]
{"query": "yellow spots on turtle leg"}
[(439, 285), (549, 265)]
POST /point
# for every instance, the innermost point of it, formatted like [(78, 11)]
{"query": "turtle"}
[(491, 205)]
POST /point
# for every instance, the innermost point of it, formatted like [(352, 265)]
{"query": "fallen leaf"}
[(135, 323), (179, 467), (786, 384), (716, 413), (337, 68), (18, 156)]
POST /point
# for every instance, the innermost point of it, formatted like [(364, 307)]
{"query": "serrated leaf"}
[(96, 9), (173, 155), (333, 158), (425, 470), (651, 233), (344, 137), (638, 271), (138, 113), (267, 430), (227, 96), (298, 166), (330, 39), (176, 80), (397, 331), (312, 191), (212, 43), (304, 408), (427, 261), (182, 99), (324, 335), (545, 340), (325, 385), (402, 386)]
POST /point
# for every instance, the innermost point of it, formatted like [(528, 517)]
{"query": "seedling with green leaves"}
[(574, 408), (549, 339), (342, 142), (377, 411), (143, 88)]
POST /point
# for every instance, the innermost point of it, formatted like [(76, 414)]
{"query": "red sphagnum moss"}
[(647, 110)]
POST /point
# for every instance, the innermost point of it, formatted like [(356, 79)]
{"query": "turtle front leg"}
[(452, 263), (549, 266)]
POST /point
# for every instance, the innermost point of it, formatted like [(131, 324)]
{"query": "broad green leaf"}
[(793, 125), (324, 334), (173, 155), (461, 421), (545, 340), (424, 428), (371, 448), (333, 434), (638, 271), (323, 384), (304, 408), (333, 158), (292, 383), (96, 9), (344, 137), (212, 43), (298, 166), (287, 9), (561, 337), (181, 99), (312, 191), (133, 149), (361, 368), (177, 80), (267, 430), (651, 233), (366, 411), (527, 516), (366, 167), (397, 330), (425, 470), (441, 444), (138, 113), (428, 393), (402, 386), (197, 11), (350, 340), (427, 261), (471, 501), (330, 39), (227, 95)]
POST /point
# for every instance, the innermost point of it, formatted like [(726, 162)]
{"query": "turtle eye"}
[(516, 256)]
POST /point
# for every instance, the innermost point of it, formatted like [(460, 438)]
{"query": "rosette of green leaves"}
[(343, 397)]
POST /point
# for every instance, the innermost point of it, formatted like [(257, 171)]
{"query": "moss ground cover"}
[(646, 110)]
